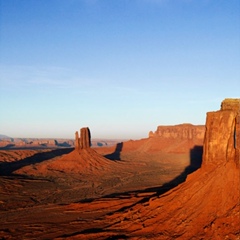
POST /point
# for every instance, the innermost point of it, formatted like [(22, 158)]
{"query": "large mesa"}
[(180, 131)]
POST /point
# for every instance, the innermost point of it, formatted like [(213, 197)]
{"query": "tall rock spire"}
[(85, 139)]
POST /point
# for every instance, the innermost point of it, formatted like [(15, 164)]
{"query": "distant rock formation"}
[(36, 143), (84, 141), (181, 138), (42, 143), (181, 131), (84, 160)]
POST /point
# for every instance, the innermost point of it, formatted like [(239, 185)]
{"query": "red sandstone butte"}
[(82, 160), (85, 139)]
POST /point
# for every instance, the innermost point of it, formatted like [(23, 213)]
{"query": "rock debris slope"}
[(82, 160)]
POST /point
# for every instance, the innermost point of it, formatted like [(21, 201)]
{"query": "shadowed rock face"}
[(85, 139)]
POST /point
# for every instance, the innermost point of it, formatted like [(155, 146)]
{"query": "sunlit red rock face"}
[(84, 141), (222, 140), (181, 131), (207, 205), (169, 139)]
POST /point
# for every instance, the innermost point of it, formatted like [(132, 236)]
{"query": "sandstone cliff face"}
[(85, 139), (231, 104), (222, 142), (181, 131)]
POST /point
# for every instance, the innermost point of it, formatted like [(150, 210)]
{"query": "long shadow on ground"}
[(195, 163), (7, 169), (116, 155)]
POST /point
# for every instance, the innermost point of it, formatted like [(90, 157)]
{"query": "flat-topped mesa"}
[(84, 141), (181, 131), (222, 137)]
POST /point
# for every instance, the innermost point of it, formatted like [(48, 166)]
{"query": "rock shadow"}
[(195, 163), (116, 155), (7, 168)]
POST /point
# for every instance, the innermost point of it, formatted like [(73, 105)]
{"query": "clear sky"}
[(120, 67)]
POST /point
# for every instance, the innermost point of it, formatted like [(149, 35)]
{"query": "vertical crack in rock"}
[(222, 134)]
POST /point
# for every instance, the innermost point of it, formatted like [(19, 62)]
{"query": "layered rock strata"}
[(181, 131), (222, 138)]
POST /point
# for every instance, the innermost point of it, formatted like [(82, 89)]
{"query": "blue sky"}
[(120, 67)]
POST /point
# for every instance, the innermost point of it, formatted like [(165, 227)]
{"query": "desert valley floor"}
[(63, 202)]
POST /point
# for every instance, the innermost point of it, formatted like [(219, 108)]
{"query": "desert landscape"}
[(181, 182)]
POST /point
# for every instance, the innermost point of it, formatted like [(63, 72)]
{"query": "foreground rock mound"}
[(82, 160), (207, 205)]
